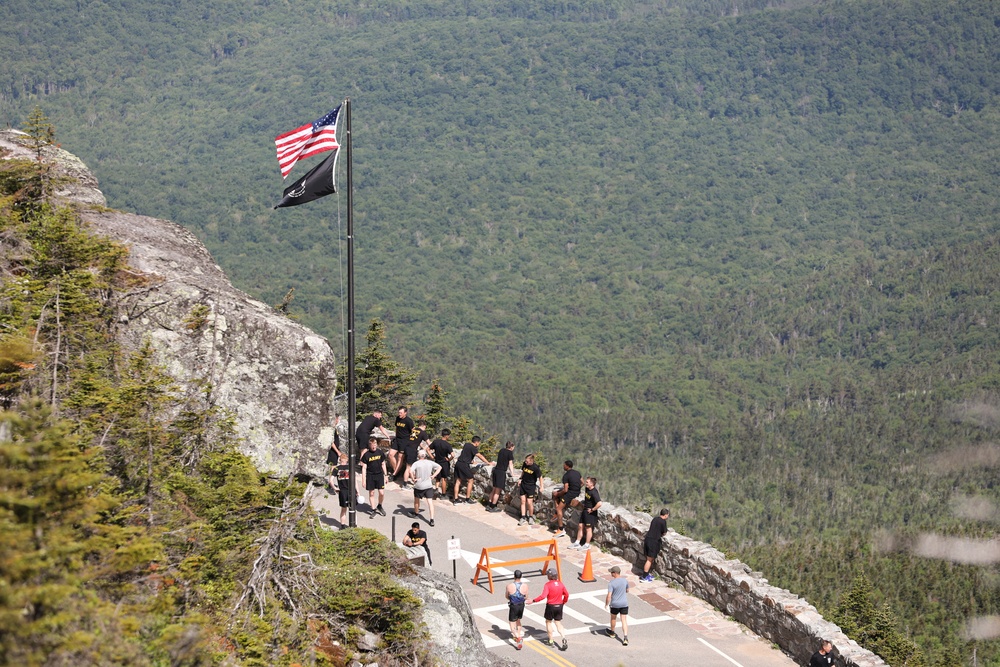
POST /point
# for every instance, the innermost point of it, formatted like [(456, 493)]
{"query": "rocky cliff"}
[(274, 376)]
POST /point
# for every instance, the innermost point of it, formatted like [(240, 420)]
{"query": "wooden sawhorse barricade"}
[(486, 566)]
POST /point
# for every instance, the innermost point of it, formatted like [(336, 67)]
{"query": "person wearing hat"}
[(555, 595), (517, 595), (618, 600)]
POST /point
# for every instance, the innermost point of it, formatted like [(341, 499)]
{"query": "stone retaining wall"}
[(727, 584)]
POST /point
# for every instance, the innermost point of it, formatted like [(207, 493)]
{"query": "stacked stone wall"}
[(726, 583)]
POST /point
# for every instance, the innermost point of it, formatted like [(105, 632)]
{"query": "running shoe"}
[(431, 523), (548, 642), (531, 521), (584, 547), (574, 545), (520, 521), (647, 578), (565, 644), (609, 632), (380, 510), (625, 641), (559, 533), (518, 645)]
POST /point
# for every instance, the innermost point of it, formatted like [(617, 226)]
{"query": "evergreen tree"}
[(874, 626), (436, 407), (381, 382)]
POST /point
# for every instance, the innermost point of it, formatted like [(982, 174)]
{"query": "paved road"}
[(667, 627)]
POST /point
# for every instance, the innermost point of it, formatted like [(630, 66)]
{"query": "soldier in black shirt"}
[(443, 454), (588, 516), (408, 456), (561, 498), (463, 468), (365, 428), (404, 428), (415, 537), (373, 472), (823, 657), (531, 485), (651, 543), (505, 464)]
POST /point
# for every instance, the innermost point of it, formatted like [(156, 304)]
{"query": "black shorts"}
[(424, 493), (445, 469), (463, 471), (588, 519), (375, 482), (344, 496), (516, 612), (499, 477), (411, 454), (651, 547), (619, 610), (529, 493), (395, 444), (553, 612)]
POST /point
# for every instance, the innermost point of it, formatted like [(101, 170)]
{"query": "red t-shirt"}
[(554, 592)]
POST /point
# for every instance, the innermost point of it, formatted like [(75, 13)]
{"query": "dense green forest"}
[(738, 257), (132, 531)]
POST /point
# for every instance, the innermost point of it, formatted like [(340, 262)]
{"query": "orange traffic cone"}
[(587, 576)]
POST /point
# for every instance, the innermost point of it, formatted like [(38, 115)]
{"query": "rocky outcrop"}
[(448, 619), (274, 376)]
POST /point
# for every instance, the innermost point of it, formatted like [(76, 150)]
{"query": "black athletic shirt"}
[(590, 498), (575, 481), (504, 458), (404, 428), (657, 529), (368, 424), (442, 449), (469, 452), (530, 474), (373, 459)]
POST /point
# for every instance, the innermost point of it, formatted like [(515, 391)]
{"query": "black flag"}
[(318, 182)]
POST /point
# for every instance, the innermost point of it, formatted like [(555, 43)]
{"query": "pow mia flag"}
[(318, 182)]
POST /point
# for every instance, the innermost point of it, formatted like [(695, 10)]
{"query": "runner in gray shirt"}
[(617, 599)]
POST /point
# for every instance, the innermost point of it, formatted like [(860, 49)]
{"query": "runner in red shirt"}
[(555, 595)]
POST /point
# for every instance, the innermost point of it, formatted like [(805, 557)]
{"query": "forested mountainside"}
[(733, 257)]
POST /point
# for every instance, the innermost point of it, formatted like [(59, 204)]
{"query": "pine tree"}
[(436, 407), (381, 382)]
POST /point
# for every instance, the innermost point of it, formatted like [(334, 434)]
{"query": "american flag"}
[(310, 139)]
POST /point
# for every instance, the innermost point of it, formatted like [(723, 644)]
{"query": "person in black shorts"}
[(404, 429), (443, 454), (504, 466), (373, 471), (410, 448), (343, 488), (572, 482), (530, 485), (463, 468), (517, 595), (588, 516), (651, 543)]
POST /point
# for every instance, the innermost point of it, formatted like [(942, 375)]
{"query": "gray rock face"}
[(449, 622), (276, 377)]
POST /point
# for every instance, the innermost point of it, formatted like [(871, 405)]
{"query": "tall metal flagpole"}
[(352, 407)]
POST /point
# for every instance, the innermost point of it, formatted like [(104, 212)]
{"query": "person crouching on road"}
[(555, 595), (416, 537)]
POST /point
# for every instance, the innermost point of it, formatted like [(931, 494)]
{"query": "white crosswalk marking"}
[(575, 622)]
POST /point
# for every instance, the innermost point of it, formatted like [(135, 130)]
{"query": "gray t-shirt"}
[(618, 587), (423, 472)]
